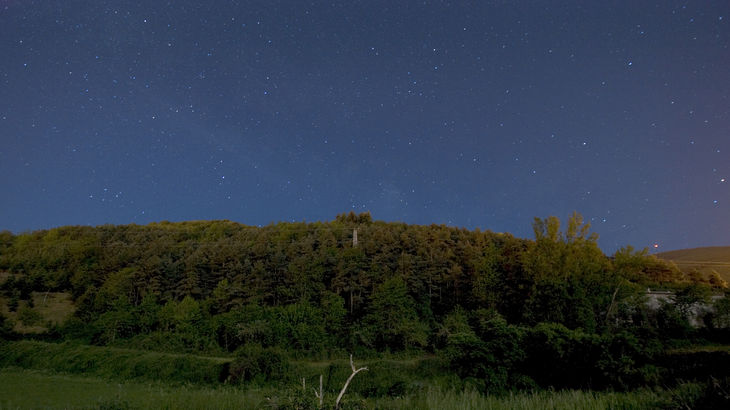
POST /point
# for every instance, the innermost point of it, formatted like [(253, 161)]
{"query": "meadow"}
[(22, 388)]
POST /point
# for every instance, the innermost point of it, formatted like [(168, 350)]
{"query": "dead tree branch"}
[(320, 394), (347, 383)]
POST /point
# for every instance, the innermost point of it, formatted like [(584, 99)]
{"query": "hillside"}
[(553, 311), (411, 275), (704, 260), (717, 254)]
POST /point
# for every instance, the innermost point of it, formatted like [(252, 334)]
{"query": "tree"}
[(393, 321), (333, 315), (6, 327), (692, 296), (572, 282), (562, 255), (716, 281), (721, 318), (118, 322)]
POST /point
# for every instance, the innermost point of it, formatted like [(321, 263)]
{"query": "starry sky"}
[(471, 114)]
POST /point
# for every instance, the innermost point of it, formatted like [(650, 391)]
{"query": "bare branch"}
[(347, 383), (320, 394)]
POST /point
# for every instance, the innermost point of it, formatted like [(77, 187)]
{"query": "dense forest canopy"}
[(209, 286)]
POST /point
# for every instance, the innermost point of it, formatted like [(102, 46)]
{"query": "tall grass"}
[(437, 398), (102, 377), (37, 389)]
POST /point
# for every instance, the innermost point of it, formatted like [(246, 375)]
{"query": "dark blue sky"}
[(473, 114)]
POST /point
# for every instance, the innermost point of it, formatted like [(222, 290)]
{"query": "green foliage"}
[(571, 278), (247, 325), (393, 321), (446, 398), (489, 355), (721, 317), (500, 311), (119, 364), (33, 389), (6, 327), (14, 302), (29, 316), (117, 285), (690, 296), (715, 395), (148, 313), (333, 317), (351, 217), (671, 322), (300, 326), (640, 267), (558, 356), (695, 364), (117, 323), (462, 348), (255, 363), (625, 361)]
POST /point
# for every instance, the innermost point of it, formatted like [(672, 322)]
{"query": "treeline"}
[(488, 303)]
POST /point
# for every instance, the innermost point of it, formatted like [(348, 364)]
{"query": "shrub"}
[(624, 361), (560, 357), (258, 364), (118, 364), (488, 356), (6, 327), (29, 316)]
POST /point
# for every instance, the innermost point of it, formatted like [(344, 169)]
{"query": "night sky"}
[(471, 114)]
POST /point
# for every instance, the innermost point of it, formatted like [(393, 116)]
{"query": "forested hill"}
[(274, 265), (232, 265), (549, 311)]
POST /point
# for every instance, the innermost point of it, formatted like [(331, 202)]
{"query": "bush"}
[(118, 364), (624, 361), (672, 323), (258, 364), (695, 364), (486, 357), (559, 357), (6, 327), (29, 316)]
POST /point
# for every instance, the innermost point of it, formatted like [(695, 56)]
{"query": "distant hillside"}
[(708, 254), (705, 260)]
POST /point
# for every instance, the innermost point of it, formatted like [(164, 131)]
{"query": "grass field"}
[(47, 375), (24, 389)]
